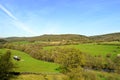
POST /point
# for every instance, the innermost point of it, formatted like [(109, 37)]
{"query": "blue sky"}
[(38, 17)]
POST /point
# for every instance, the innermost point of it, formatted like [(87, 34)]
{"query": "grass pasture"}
[(48, 70), (111, 43), (29, 64), (93, 49)]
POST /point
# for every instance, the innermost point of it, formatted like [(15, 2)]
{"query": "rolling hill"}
[(66, 37), (69, 37), (106, 37)]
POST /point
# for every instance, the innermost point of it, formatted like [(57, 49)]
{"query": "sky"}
[(24, 18)]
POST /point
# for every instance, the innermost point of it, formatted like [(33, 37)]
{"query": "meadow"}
[(29, 64), (93, 49), (49, 70)]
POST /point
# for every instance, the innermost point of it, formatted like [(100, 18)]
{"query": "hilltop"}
[(106, 37), (68, 37), (46, 37)]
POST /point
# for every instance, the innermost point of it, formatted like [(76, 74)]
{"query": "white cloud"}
[(16, 22)]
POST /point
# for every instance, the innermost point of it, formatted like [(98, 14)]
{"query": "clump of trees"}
[(6, 66), (80, 66), (117, 64), (72, 63), (2, 42)]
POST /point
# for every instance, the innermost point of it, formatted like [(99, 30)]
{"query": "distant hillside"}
[(69, 37), (107, 37), (63, 37), (16, 39)]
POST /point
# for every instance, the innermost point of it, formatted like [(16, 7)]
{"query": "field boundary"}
[(35, 73)]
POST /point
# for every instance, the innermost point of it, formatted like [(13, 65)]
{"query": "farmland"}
[(93, 48), (66, 58), (59, 39), (29, 64)]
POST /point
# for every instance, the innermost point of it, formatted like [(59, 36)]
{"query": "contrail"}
[(8, 12), (16, 22)]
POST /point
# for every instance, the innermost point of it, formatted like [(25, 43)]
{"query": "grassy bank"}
[(29, 64)]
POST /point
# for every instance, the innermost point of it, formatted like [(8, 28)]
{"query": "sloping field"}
[(29, 64), (93, 49)]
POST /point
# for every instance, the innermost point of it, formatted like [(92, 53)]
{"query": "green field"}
[(29, 64), (93, 49), (111, 43), (49, 70)]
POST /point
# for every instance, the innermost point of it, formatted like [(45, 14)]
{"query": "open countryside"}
[(59, 39), (47, 57)]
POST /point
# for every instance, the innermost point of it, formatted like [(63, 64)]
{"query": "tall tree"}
[(6, 66)]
